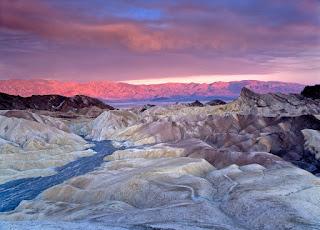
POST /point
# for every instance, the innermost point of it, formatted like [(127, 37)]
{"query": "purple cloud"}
[(250, 32)]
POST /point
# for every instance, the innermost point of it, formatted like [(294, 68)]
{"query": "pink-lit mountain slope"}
[(122, 91)]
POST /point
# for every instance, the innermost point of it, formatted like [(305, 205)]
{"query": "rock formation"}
[(33, 148), (145, 107), (196, 103), (108, 123), (43, 119), (216, 102), (273, 104), (181, 193), (312, 141), (50, 102), (311, 92)]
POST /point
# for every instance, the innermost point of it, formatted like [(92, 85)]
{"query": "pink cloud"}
[(231, 34), (191, 38)]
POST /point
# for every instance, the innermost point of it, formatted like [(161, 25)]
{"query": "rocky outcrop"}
[(216, 102), (312, 141), (145, 107), (230, 138), (43, 119), (196, 148), (311, 92), (30, 148), (273, 104), (196, 103), (50, 102), (109, 123), (249, 139)]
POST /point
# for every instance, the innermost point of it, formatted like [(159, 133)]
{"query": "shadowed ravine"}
[(13, 192)]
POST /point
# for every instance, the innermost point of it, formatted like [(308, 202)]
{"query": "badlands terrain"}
[(74, 163)]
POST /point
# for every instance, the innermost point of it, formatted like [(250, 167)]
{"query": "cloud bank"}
[(136, 39)]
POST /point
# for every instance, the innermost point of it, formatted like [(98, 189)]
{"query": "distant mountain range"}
[(118, 91)]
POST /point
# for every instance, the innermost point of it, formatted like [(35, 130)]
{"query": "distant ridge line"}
[(120, 91)]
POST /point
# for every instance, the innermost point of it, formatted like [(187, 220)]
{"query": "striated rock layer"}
[(225, 132), (182, 193), (30, 148), (275, 104)]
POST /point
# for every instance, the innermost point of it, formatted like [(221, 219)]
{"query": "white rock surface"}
[(154, 151), (43, 119), (312, 141), (29, 148), (182, 193), (196, 149), (110, 122)]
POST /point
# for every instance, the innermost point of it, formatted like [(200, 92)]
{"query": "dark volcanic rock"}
[(50, 102), (311, 92), (196, 104), (216, 102), (147, 106)]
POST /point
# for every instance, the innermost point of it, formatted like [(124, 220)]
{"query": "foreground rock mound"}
[(29, 148), (50, 102), (182, 193)]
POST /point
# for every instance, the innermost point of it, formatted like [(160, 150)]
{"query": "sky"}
[(156, 41)]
